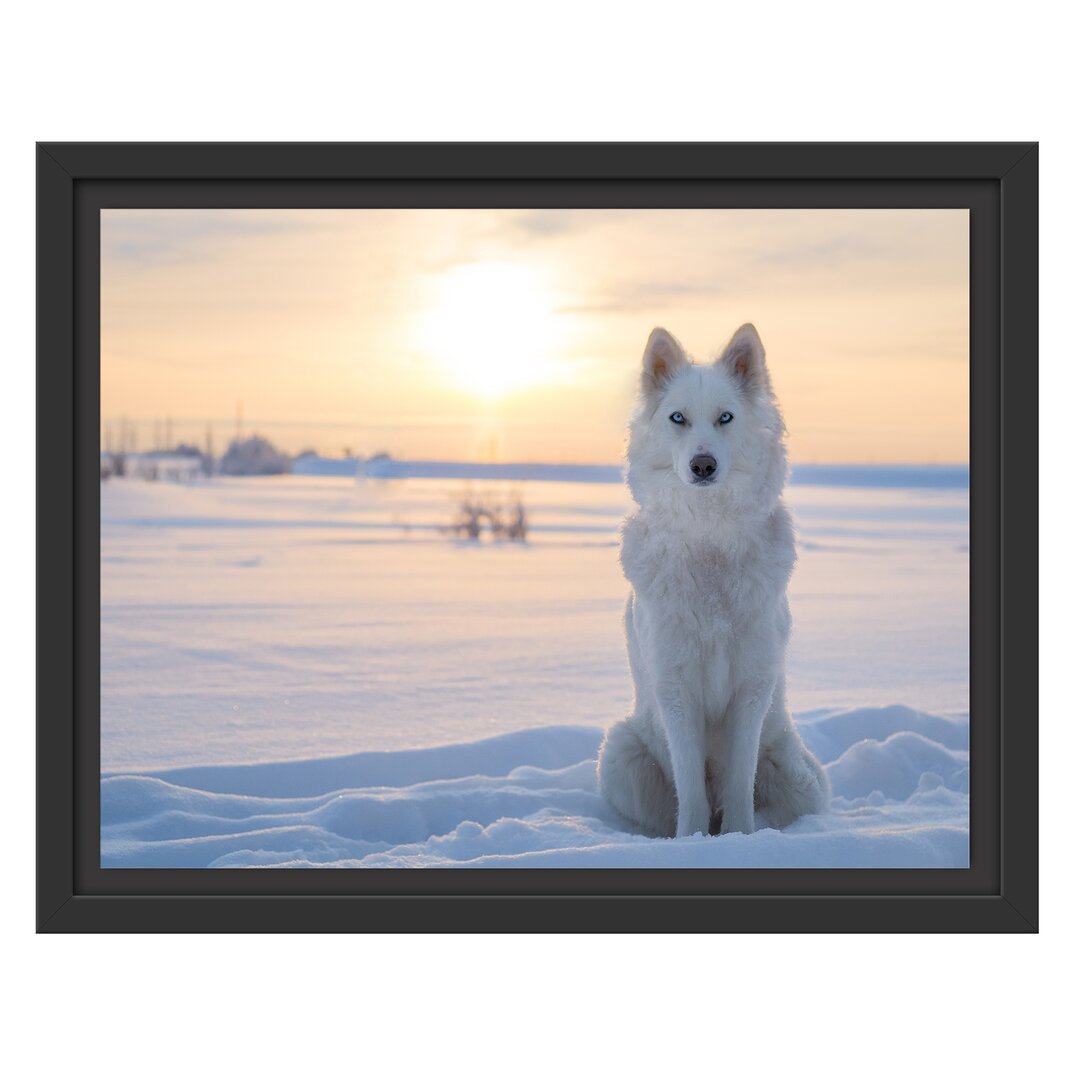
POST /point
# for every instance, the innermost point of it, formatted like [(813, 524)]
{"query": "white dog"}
[(708, 554)]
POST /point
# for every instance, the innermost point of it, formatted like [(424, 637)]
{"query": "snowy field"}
[(309, 670)]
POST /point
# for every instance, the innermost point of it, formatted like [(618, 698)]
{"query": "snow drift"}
[(530, 799)]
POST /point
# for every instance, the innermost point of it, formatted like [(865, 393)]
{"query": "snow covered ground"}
[(309, 670)]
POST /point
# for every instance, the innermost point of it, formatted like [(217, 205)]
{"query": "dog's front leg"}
[(684, 725), (738, 767)]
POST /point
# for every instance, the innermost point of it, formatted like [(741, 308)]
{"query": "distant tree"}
[(254, 456), (208, 452)]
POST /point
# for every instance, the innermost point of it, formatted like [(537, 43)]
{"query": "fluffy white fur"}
[(708, 558)]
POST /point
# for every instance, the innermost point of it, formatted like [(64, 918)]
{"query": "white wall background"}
[(889, 1006)]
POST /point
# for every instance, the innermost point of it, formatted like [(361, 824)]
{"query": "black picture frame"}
[(998, 182)]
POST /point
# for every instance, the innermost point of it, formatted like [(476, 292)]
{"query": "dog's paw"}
[(694, 824), (732, 824)]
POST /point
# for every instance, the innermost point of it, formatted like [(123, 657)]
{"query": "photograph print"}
[(534, 538)]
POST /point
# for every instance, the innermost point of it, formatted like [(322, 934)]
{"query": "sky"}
[(517, 334)]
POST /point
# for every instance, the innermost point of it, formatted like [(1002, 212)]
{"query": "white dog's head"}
[(711, 431)]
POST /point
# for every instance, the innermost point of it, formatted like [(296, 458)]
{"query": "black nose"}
[(703, 466)]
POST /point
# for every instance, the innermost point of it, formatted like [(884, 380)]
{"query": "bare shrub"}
[(479, 513)]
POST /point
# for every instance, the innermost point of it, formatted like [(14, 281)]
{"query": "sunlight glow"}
[(491, 328)]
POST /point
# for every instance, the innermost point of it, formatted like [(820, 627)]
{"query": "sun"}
[(491, 328)]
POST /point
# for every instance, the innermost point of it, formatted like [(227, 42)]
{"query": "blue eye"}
[(677, 418), (726, 418)]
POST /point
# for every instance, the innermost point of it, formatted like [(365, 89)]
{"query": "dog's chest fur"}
[(704, 557), (706, 592)]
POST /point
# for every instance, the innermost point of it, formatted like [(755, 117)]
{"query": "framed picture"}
[(537, 537)]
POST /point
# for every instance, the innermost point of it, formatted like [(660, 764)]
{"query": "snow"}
[(309, 670), (524, 799)]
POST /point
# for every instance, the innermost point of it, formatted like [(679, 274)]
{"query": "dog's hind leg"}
[(632, 780), (790, 781)]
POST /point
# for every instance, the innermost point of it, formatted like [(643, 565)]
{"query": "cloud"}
[(826, 252), (635, 295), (154, 237), (562, 222)]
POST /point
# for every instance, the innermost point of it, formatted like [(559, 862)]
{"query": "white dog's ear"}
[(663, 357), (744, 357)]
